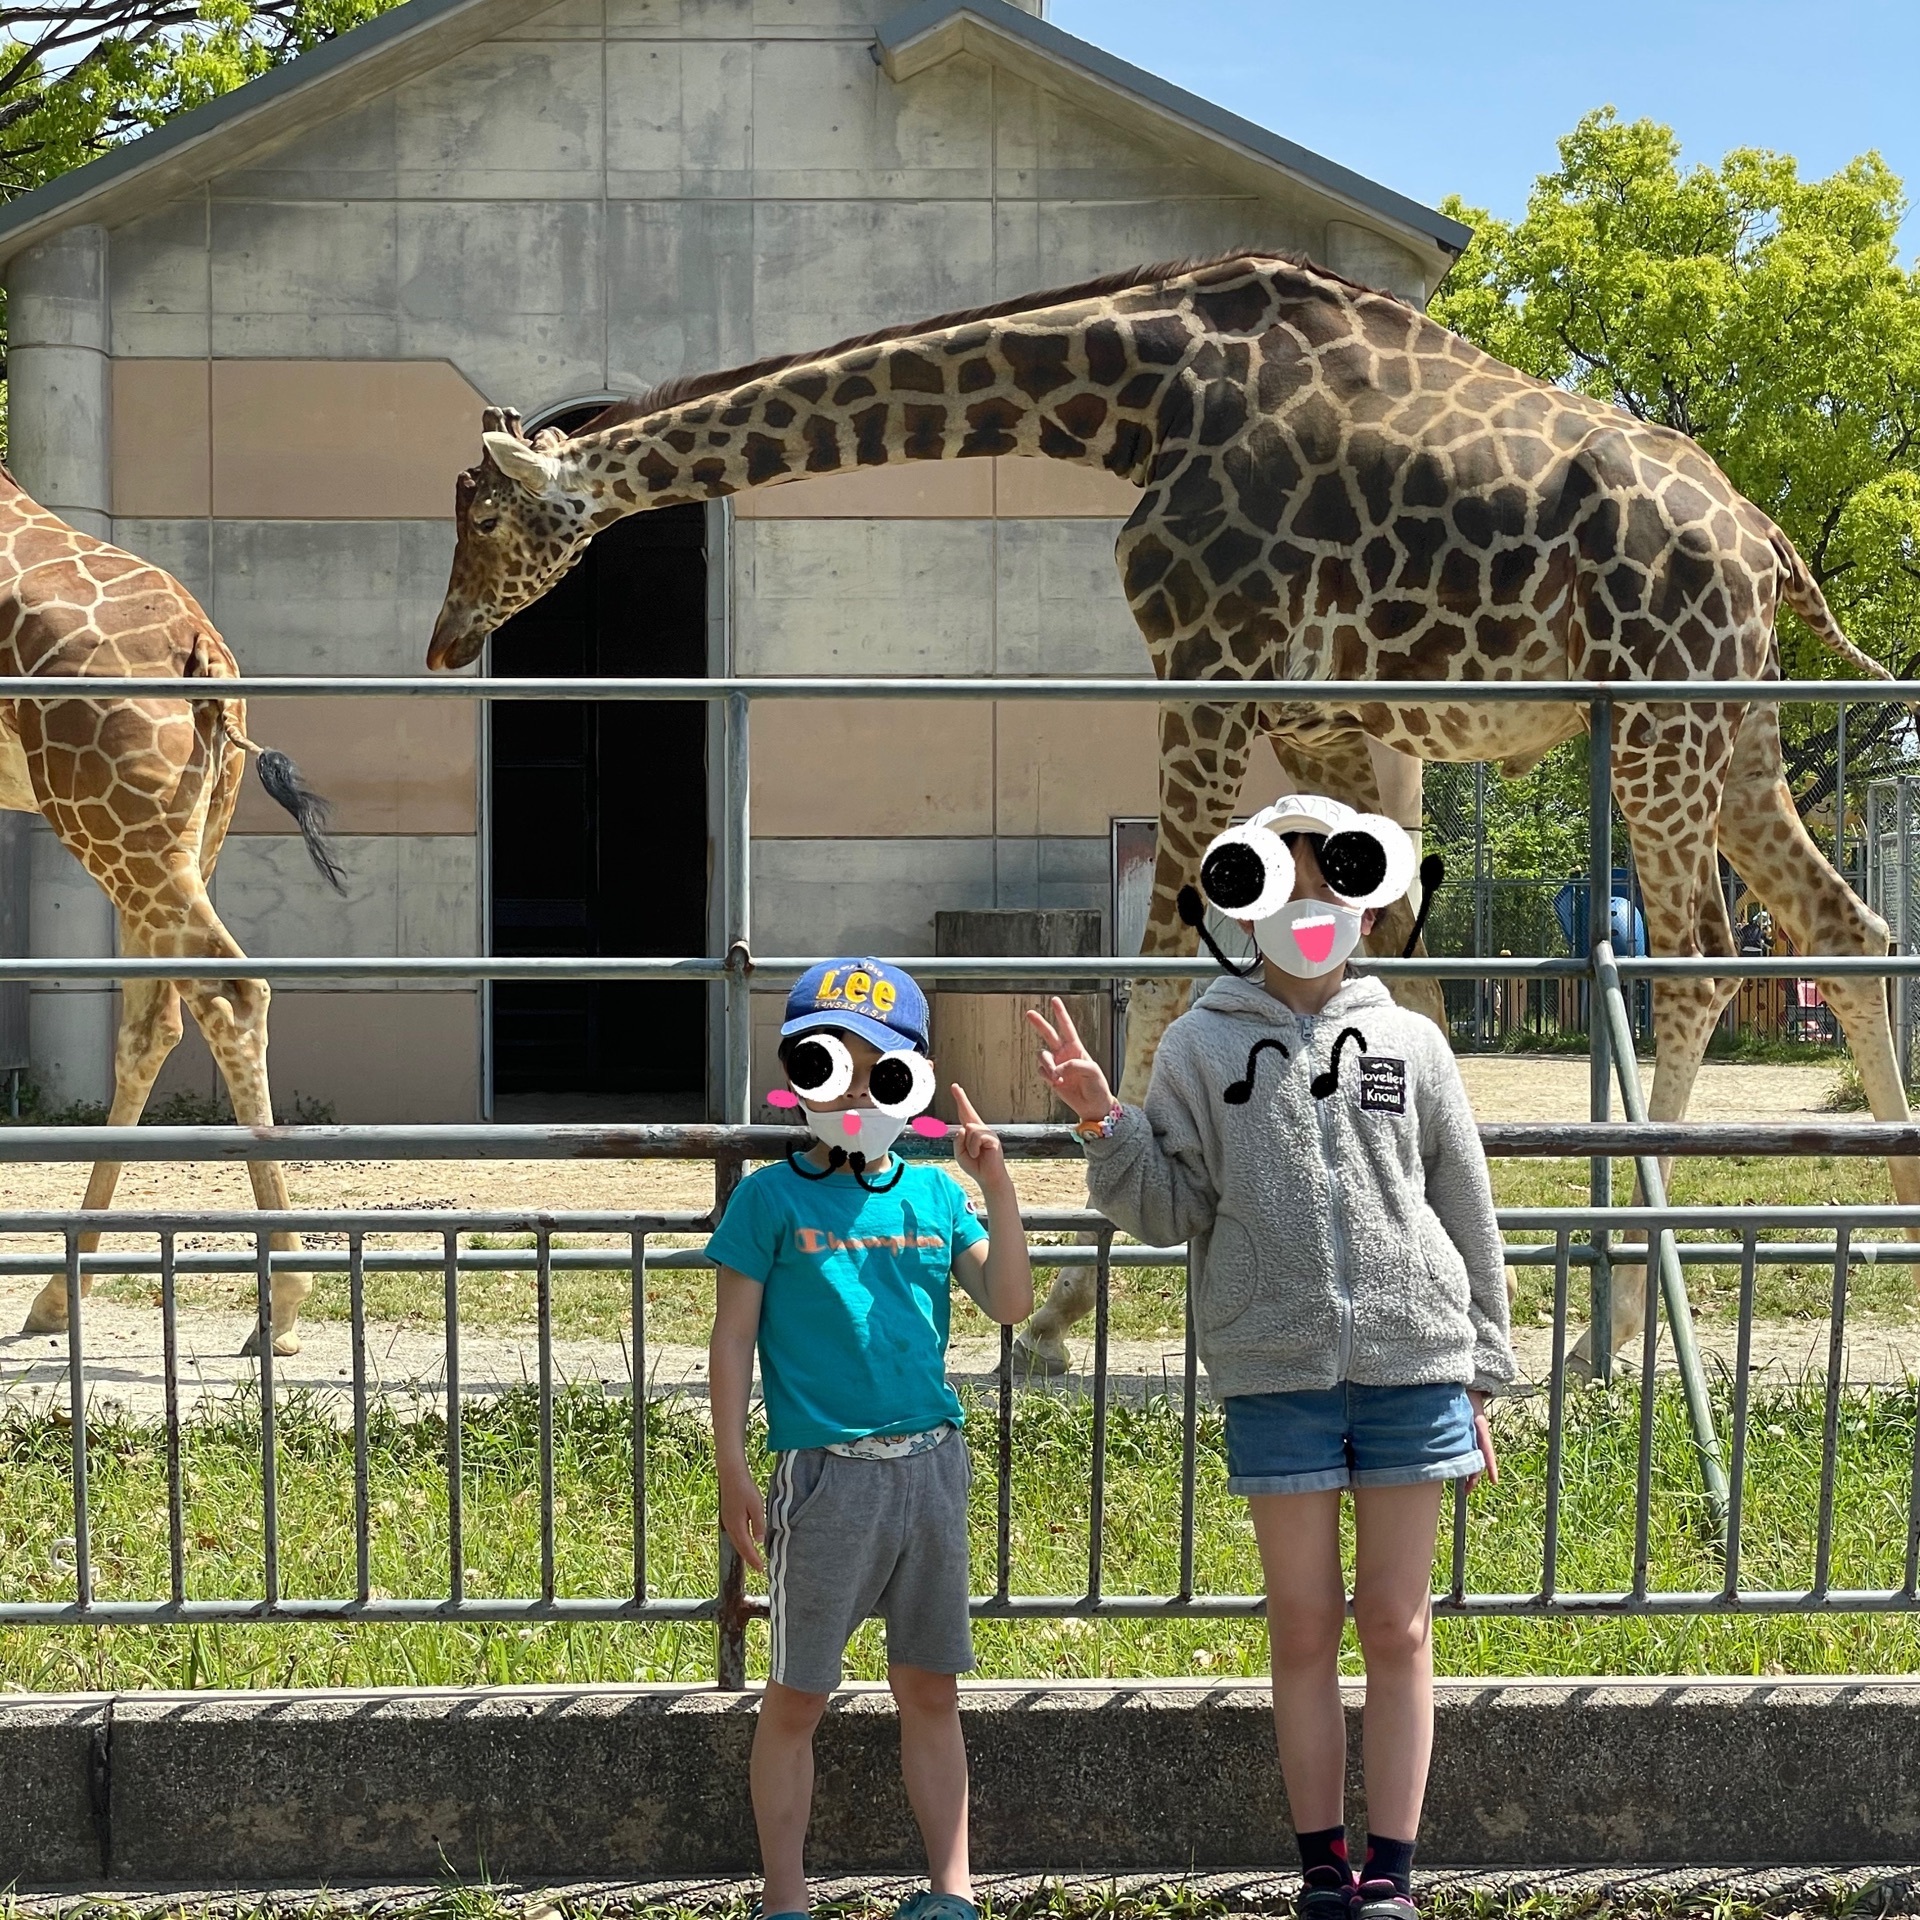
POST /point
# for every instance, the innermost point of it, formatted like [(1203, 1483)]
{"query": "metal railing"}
[(1577, 1236)]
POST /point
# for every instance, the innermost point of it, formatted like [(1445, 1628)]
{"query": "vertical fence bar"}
[(1643, 1473), (1457, 1580), (269, 1451), (1097, 1493), (77, 1417), (1830, 1425), (1556, 1415), (543, 1285), (1189, 1440), (1742, 1384), (1903, 922), (1840, 789), (639, 1392), (738, 829), (1599, 1090), (362, 1490), (176, 1487), (456, 1512), (1003, 1475)]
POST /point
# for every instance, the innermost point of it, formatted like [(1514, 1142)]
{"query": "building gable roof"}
[(421, 34)]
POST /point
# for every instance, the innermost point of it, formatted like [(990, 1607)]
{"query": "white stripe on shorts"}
[(779, 1505)]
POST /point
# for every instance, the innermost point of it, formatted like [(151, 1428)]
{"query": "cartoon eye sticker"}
[(1247, 873), (1369, 862), (901, 1084), (820, 1067)]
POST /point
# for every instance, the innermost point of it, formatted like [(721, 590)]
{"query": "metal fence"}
[(1563, 1239)]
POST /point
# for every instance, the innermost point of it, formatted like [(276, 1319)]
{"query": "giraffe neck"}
[(1078, 385)]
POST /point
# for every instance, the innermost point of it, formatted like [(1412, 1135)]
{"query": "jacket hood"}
[(1249, 1000)]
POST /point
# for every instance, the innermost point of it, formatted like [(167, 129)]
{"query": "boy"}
[(1313, 1142), (838, 1263)]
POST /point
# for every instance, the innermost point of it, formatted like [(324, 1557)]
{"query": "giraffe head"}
[(521, 519)]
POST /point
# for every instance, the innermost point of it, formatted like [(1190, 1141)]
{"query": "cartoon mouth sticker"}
[(1313, 934)]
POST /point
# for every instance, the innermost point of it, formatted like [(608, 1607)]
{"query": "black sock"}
[(1389, 1860), (1325, 1851)]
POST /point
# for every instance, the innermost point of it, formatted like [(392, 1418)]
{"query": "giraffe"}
[(141, 792), (1333, 487)]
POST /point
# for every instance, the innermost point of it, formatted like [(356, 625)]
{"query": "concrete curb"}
[(647, 1782)]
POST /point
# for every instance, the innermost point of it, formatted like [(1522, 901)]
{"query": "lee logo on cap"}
[(860, 989)]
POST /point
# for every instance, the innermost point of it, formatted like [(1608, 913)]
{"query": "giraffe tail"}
[(281, 778), (1801, 591)]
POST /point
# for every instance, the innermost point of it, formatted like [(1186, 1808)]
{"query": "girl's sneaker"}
[(1325, 1894), (1382, 1900), (927, 1905)]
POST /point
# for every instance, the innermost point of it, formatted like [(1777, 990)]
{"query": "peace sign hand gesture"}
[(978, 1146), (1066, 1065)]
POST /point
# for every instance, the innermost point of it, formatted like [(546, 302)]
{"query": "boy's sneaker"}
[(1325, 1894), (1381, 1900), (927, 1905)]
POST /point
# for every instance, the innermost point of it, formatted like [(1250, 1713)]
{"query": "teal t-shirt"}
[(857, 1287)]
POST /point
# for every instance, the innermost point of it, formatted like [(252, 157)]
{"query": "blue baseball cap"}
[(882, 1004)]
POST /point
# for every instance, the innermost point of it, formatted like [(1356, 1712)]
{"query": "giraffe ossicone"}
[(1333, 488), (141, 792)]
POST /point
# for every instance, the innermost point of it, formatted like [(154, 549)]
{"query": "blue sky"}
[(1469, 97)]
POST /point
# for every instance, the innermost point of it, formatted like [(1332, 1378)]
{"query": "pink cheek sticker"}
[(928, 1128), (783, 1097), (850, 1124)]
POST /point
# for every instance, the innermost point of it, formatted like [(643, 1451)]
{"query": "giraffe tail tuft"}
[(281, 778)]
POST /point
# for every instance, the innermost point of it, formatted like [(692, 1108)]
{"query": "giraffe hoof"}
[(45, 1319), (1046, 1355), (284, 1344)]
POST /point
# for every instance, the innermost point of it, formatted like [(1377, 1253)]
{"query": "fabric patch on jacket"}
[(1383, 1084)]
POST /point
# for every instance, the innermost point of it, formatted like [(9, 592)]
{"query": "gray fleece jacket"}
[(1349, 1237)]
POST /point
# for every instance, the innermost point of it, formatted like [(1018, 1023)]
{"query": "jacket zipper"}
[(1342, 1285)]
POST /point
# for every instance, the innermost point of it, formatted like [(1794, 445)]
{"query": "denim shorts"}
[(1349, 1436)]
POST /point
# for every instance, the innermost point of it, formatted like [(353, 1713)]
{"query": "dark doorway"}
[(599, 832)]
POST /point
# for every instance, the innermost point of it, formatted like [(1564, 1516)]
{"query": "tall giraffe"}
[(1333, 487), (141, 792)]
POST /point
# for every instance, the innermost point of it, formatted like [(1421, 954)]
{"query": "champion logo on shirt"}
[(821, 1240)]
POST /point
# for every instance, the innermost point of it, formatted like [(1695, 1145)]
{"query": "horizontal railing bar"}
[(772, 973), (959, 687), (1037, 1220), (987, 1607), (1500, 1140)]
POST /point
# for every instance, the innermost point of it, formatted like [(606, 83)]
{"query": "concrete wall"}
[(538, 1784), (603, 197)]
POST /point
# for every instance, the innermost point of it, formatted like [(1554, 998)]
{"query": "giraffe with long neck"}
[(141, 791), (1333, 487)]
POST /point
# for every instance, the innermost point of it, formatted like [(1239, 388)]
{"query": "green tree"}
[(1768, 317)]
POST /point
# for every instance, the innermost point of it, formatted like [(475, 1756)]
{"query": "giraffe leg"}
[(149, 1031), (1203, 761), (1776, 856), (232, 1014), (1670, 777)]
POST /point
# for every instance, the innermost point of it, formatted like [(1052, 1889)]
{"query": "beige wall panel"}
[(1072, 772), (919, 490), (374, 1058), (341, 439), (905, 768), (1036, 489), (386, 766), (161, 456)]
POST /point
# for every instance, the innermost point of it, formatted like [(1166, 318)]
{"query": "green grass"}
[(1052, 1436)]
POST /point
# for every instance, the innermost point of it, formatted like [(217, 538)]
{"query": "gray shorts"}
[(848, 1539)]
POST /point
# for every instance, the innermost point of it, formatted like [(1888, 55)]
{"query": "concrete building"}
[(254, 347)]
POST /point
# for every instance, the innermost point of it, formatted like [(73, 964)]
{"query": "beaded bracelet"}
[(1101, 1129)]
